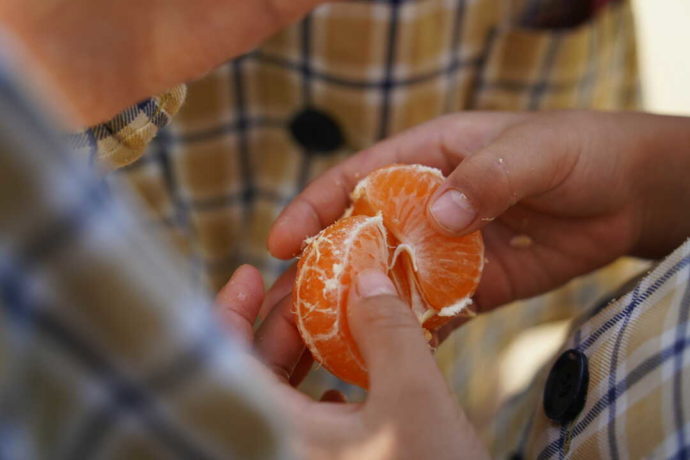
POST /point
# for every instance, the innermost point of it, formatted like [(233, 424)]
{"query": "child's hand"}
[(409, 411), (558, 194)]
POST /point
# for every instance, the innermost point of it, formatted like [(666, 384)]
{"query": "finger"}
[(390, 339), (302, 368), (278, 342), (441, 143), (238, 302), (516, 166), (281, 288), (333, 396)]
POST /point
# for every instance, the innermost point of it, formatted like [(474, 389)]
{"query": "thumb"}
[(389, 337), (515, 166)]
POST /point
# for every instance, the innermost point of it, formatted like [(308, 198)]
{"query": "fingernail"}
[(453, 211), (371, 283)]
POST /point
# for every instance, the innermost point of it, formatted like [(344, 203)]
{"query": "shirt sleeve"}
[(122, 140), (107, 348)]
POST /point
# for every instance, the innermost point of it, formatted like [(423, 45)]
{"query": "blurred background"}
[(664, 33), (664, 36)]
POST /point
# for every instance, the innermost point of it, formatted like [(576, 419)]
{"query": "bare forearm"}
[(662, 171), (104, 55)]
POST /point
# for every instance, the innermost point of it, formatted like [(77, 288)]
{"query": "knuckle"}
[(501, 194)]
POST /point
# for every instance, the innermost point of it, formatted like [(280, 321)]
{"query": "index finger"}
[(441, 143)]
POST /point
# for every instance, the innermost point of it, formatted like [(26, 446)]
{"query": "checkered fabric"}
[(638, 399), (229, 163), (123, 139), (107, 349), (470, 357), (219, 175), (216, 179)]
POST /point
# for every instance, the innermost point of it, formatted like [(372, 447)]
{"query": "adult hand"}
[(558, 194), (409, 411), (104, 55)]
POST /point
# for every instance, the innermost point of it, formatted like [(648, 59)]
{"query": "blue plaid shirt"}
[(106, 347)]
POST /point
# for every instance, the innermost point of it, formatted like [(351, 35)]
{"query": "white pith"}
[(456, 308), (404, 247)]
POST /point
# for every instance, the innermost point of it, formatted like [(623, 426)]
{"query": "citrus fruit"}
[(387, 229)]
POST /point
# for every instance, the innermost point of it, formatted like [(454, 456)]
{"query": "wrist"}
[(661, 169)]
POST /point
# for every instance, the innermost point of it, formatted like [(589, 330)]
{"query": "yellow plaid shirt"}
[(229, 162), (637, 404), (362, 70), (219, 175)]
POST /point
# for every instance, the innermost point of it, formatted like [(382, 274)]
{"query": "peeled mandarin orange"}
[(387, 229)]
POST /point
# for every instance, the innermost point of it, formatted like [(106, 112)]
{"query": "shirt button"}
[(316, 131), (566, 387)]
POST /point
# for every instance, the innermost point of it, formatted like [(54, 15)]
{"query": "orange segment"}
[(443, 270), (324, 274)]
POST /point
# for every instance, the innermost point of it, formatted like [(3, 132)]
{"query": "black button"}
[(316, 131), (566, 387)]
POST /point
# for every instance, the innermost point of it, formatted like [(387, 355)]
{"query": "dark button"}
[(566, 387), (316, 131)]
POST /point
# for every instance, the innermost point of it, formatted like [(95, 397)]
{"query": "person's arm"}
[(580, 188), (101, 56)]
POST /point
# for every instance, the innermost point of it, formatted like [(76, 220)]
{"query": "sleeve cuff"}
[(122, 140)]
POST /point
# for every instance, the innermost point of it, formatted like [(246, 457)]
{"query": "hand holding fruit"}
[(557, 194), (409, 412), (386, 229)]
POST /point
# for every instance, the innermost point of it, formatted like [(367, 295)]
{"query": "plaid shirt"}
[(107, 349), (233, 156), (218, 176), (230, 161), (638, 398)]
